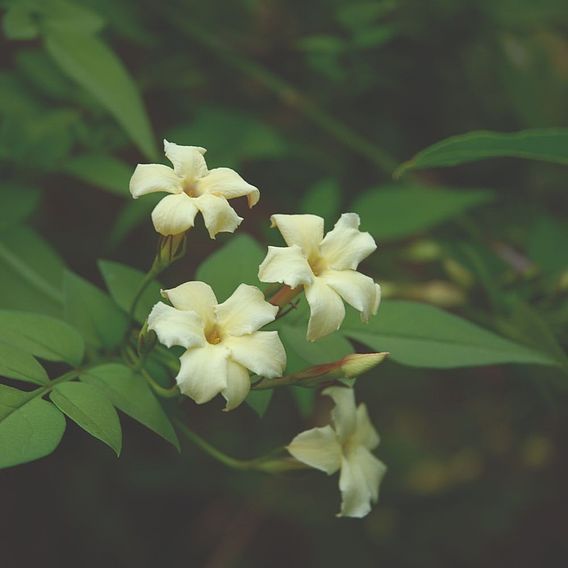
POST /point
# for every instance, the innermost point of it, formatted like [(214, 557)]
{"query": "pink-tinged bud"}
[(358, 363)]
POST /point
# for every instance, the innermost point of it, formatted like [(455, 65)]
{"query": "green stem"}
[(164, 392), (290, 96), (148, 279), (266, 464)]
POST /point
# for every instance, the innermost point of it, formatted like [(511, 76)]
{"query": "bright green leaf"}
[(31, 272), (86, 405), (123, 283), (547, 144), (93, 313), (237, 262), (43, 336), (30, 428), (421, 335), (17, 364), (99, 170), (91, 63), (130, 393), (395, 212)]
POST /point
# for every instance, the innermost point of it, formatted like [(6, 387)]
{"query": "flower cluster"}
[(224, 343)]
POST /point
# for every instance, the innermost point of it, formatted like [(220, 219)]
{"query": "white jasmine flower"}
[(222, 341), (193, 188), (325, 267), (345, 445)]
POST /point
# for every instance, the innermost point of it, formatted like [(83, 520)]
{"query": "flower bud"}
[(146, 339), (170, 249)]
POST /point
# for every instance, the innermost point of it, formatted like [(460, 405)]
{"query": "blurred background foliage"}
[(316, 103)]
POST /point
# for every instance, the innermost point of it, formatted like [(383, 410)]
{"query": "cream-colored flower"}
[(345, 445), (222, 341), (193, 188), (325, 267)]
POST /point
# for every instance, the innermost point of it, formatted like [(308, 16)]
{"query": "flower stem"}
[(266, 464)]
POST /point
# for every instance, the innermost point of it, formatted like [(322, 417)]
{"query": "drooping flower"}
[(192, 188), (345, 445), (222, 341), (325, 267)]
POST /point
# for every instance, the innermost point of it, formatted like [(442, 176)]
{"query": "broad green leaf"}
[(421, 335), (547, 238), (93, 313), (30, 428), (43, 336), (17, 364), (259, 400), (68, 16), (393, 212), (123, 283), (102, 171), (16, 204), (130, 393), (302, 353), (230, 136), (31, 273), (86, 405), (323, 199), (91, 63), (547, 144), (237, 262)]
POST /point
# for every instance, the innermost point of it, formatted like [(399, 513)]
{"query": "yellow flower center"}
[(318, 264), (214, 335)]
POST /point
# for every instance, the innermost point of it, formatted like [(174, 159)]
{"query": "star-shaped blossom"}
[(345, 445), (325, 267), (222, 341), (192, 188)]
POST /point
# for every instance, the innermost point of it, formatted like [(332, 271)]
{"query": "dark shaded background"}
[(477, 461)]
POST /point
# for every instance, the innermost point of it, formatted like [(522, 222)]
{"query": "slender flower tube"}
[(345, 445), (222, 341), (325, 267), (192, 188)]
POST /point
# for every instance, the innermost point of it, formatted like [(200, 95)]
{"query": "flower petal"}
[(287, 265), (344, 413), (176, 327), (174, 214), (306, 231), (365, 434), (361, 474), (227, 183), (326, 309), (244, 311), (152, 178), (195, 296), (345, 246), (203, 372), (317, 448), (218, 215), (356, 289), (238, 385), (262, 352), (188, 161)]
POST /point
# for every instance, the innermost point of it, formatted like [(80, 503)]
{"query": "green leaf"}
[(102, 171), (130, 393), (237, 262), (393, 212), (547, 237), (31, 272), (88, 60), (17, 364), (43, 336), (546, 144), (323, 199), (302, 353), (30, 428), (68, 16), (19, 23), (16, 204), (86, 405), (131, 215), (420, 335), (93, 313), (259, 400), (123, 283)]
